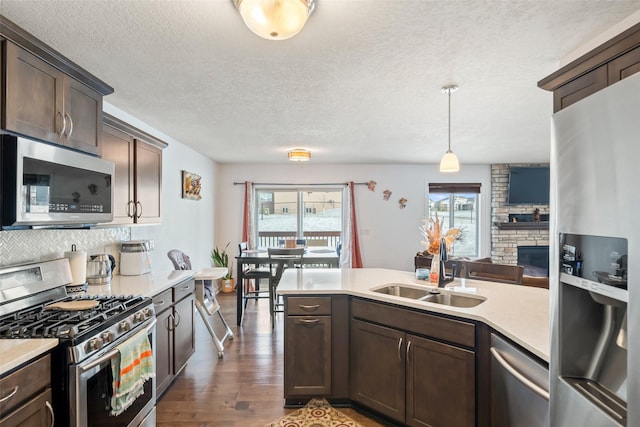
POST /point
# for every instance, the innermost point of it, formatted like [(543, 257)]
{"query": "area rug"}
[(316, 413)]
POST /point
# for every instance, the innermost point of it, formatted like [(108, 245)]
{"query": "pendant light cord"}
[(449, 91)]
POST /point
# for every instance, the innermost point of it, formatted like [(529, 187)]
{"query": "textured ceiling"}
[(360, 84)]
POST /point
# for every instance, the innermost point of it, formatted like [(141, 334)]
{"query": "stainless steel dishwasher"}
[(519, 387)]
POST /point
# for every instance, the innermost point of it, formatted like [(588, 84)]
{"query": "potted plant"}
[(220, 258)]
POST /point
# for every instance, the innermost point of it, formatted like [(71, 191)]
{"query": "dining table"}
[(317, 256)]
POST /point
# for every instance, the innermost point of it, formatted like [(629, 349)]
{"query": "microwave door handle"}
[(113, 353)]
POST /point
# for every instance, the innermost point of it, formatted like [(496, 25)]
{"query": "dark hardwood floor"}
[(245, 387)]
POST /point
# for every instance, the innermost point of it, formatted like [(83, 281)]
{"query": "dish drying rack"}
[(208, 306)]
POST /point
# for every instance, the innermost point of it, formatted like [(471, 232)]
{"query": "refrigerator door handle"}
[(519, 376)]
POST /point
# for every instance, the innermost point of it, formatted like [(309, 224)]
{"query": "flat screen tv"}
[(528, 185)]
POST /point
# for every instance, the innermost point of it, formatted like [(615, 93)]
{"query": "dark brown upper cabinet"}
[(605, 65), (46, 96)]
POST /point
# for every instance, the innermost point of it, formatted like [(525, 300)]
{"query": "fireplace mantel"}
[(542, 225)]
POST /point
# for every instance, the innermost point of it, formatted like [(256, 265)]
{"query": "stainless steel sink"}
[(436, 296), (404, 291), (453, 300)]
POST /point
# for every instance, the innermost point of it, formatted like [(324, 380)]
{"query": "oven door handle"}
[(110, 355)]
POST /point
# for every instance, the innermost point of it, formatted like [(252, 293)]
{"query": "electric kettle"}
[(99, 268)]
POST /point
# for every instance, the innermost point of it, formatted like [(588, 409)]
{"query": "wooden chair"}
[(256, 274), (279, 260), (501, 273)]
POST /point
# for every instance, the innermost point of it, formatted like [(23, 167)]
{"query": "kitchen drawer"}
[(163, 301), (27, 381), (451, 330), (308, 306), (184, 289)]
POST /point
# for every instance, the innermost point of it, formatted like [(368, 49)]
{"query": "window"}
[(297, 213), (457, 206)]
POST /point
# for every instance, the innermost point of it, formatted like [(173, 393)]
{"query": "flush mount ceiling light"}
[(299, 155), (275, 19), (449, 162)]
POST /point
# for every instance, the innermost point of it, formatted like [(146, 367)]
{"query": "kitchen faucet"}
[(442, 254)]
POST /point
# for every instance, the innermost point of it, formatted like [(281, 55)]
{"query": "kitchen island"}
[(521, 313), (349, 338)]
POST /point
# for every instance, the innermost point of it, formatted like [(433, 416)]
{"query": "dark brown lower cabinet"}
[(440, 382), (308, 370), (175, 339), (409, 378), (378, 368), (316, 355), (26, 395)]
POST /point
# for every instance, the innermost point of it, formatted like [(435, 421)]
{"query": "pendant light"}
[(449, 162), (275, 19)]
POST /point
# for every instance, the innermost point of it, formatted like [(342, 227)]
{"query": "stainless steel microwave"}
[(48, 185)]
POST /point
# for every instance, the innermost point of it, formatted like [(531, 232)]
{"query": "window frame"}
[(453, 189), (300, 210)]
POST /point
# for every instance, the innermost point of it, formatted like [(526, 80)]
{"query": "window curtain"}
[(248, 222), (350, 256)]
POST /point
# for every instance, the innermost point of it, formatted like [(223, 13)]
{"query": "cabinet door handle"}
[(129, 213), (171, 322), (408, 349), (519, 376), (68, 135), (60, 129), (399, 348), (185, 288), (309, 307), (10, 395), (159, 303), (309, 322), (138, 211), (177, 317), (50, 408)]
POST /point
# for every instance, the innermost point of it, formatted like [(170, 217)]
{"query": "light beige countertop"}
[(147, 285), (14, 353), (521, 313)]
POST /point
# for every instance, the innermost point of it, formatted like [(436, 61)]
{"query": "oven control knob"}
[(124, 326), (95, 344), (107, 336), (139, 317), (148, 312)]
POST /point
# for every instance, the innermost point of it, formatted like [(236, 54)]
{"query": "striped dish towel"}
[(130, 370)]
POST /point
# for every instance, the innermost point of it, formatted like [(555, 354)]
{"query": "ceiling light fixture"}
[(299, 155), (275, 19), (449, 162)]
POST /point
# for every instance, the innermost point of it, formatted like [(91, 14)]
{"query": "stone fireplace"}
[(513, 226)]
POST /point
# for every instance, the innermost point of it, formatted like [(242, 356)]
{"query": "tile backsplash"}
[(22, 246)]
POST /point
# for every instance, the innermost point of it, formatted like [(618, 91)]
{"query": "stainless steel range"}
[(34, 304)]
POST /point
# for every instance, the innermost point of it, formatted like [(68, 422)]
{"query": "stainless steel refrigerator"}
[(595, 260)]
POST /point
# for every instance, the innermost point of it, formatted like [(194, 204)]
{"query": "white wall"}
[(389, 236)]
